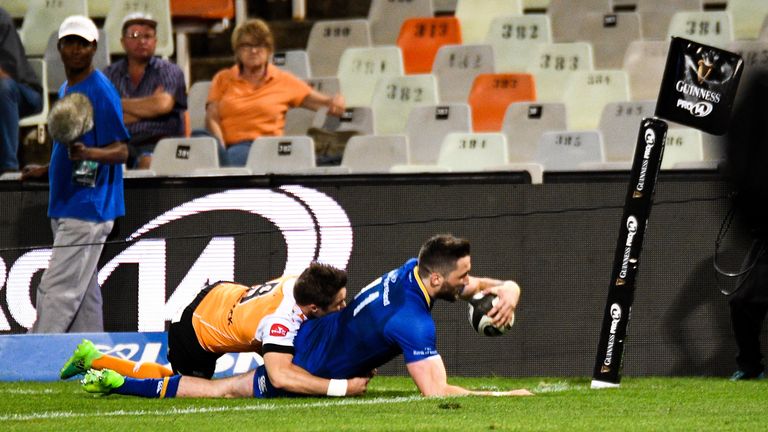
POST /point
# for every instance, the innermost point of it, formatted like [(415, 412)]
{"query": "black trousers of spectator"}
[(749, 305)]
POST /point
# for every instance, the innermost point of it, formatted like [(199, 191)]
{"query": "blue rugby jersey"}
[(388, 317)]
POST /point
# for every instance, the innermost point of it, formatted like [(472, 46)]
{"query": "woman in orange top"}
[(250, 99)]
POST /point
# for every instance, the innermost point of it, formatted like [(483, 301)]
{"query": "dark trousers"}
[(749, 305)]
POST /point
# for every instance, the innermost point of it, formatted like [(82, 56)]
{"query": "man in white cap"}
[(153, 90), (86, 191)]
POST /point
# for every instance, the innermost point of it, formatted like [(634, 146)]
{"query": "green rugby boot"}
[(81, 360), (101, 381)]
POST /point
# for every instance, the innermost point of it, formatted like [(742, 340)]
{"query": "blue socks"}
[(150, 387)]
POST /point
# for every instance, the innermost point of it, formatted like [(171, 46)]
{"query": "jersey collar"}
[(421, 285)]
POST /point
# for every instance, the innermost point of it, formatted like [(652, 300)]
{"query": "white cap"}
[(78, 25), (139, 18)]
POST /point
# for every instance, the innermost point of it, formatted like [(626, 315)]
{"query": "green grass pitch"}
[(392, 404)]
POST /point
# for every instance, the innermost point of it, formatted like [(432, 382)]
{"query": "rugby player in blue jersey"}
[(388, 317)]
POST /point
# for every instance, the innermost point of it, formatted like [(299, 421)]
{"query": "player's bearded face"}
[(454, 282)]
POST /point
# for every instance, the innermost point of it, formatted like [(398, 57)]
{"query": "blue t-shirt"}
[(388, 317), (104, 201)]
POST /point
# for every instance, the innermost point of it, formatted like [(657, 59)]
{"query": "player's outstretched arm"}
[(431, 379), (285, 375)]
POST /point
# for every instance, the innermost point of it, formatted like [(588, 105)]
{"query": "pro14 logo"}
[(698, 109), (615, 319), (632, 227)]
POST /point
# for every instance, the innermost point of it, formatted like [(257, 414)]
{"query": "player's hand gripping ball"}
[(479, 305)]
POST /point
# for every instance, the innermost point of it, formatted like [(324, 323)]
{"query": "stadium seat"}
[(491, 94), (328, 40), (535, 4), (280, 155), (553, 65), (525, 123), (328, 85), (56, 74), (361, 68), (444, 7), (682, 145), (428, 125), (456, 67), (355, 119), (44, 17), (293, 61), (196, 101), (753, 53), (40, 119), (644, 63), (181, 156), (394, 97), (587, 92), (609, 34), (568, 151), (475, 16), (98, 8), (15, 8), (298, 121), (748, 17), (563, 14), (473, 151), (620, 124), (707, 27), (386, 17), (160, 10), (655, 15), (375, 153), (210, 9), (420, 38), (516, 39)]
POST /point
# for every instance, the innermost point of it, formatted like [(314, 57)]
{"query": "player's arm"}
[(507, 291), (285, 375), (159, 103), (431, 379)]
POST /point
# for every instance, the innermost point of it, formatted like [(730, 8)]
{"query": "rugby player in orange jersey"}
[(229, 317)]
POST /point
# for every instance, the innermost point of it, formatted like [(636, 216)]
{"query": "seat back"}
[(491, 94), (354, 119), (420, 38), (284, 154), (181, 156), (375, 153), (515, 40), (475, 16), (44, 17), (682, 145), (566, 151), (196, 101), (387, 16), (328, 40), (587, 92), (160, 10), (553, 65), (473, 151), (456, 67), (208, 9), (394, 97), (609, 34), (706, 27), (361, 68), (329, 85), (293, 61), (566, 13), (655, 15), (428, 125), (525, 123), (619, 124), (644, 63), (748, 17)]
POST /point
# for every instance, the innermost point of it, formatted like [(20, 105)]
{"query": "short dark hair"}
[(318, 285), (440, 253)]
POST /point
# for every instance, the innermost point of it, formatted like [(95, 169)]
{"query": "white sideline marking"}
[(205, 410), (26, 391)]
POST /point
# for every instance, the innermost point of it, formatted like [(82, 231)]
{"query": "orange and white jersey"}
[(238, 318)]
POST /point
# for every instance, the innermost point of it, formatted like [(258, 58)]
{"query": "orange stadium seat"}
[(420, 38), (211, 9), (491, 94)]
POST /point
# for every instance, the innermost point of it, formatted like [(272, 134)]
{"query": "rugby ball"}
[(479, 305)]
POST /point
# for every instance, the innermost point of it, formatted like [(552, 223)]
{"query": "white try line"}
[(206, 410)]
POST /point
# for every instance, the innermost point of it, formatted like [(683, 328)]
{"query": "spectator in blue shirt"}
[(152, 90)]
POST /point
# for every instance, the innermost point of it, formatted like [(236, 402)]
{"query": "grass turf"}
[(392, 403)]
